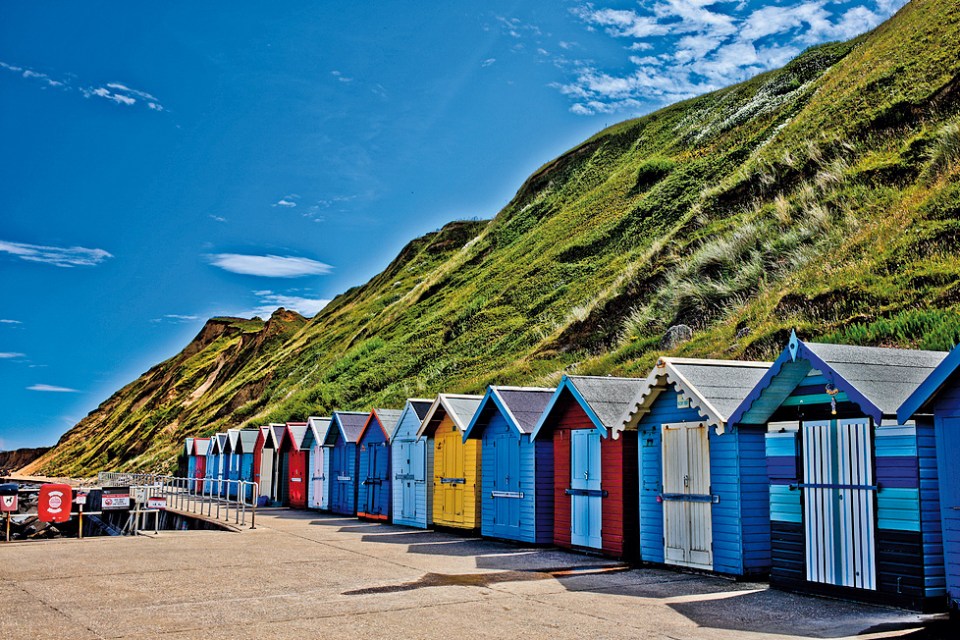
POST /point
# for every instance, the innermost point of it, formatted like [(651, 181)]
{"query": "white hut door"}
[(687, 511), (408, 489), (838, 508), (316, 479)]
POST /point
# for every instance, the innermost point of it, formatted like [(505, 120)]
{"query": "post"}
[(8, 526), (253, 506), (81, 522)]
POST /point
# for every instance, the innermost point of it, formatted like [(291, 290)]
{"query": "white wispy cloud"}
[(115, 92), (288, 201), (701, 45), (217, 218), (57, 256), (488, 62), (9, 355), (176, 318), (51, 388), (269, 266), (339, 76), (8, 321), (270, 301)]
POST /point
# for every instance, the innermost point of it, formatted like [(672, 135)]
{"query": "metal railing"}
[(229, 501), (114, 479)]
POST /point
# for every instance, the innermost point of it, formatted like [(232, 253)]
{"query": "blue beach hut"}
[(412, 467), (345, 428), (936, 404), (516, 477), (373, 491), (853, 496), (191, 458), (704, 499), (232, 462), (246, 448), (318, 464)]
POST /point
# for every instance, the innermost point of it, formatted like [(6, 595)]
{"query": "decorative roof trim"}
[(930, 387), (566, 383)]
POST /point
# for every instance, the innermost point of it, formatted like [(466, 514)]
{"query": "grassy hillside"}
[(822, 196)]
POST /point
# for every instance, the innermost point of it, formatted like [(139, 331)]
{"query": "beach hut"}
[(594, 464), (272, 435), (704, 499), (278, 484), (262, 468), (247, 447), (200, 448), (317, 494), (935, 409), (847, 515), (345, 428), (191, 461), (456, 464), (212, 467), (232, 462), (373, 491), (412, 465), (516, 475), (294, 449)]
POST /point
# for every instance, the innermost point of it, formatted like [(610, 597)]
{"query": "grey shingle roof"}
[(715, 387), (525, 404), (278, 431), (352, 423), (201, 445), (886, 377), (248, 440), (319, 426), (608, 397), (298, 431), (389, 419), (459, 407), (421, 407)]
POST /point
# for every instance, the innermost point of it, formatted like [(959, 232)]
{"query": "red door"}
[(201, 471), (297, 486)]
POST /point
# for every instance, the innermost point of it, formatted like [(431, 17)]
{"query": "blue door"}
[(377, 479), (246, 474), (585, 492), (506, 495), (342, 480)]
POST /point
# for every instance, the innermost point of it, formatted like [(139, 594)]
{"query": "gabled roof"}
[(418, 408), (277, 432), (348, 424), (248, 440), (188, 446), (876, 379), (928, 389), (715, 387), (201, 446), (296, 432), (319, 427), (604, 400), (233, 439), (521, 407), (459, 407), (386, 420), (218, 442)]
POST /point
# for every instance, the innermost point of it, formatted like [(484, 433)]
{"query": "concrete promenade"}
[(308, 575)]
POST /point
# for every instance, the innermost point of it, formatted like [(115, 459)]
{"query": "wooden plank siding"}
[(740, 519), (469, 456), (618, 478), (946, 411), (406, 430)]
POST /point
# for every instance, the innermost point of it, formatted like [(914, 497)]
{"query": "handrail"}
[(210, 497)]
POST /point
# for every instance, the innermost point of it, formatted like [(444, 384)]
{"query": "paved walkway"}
[(308, 575)]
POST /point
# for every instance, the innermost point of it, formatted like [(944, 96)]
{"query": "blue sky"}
[(167, 162)]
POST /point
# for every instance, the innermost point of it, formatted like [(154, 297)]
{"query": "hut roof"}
[(927, 390), (604, 399), (349, 424), (248, 439), (877, 379), (459, 407), (201, 446), (520, 406), (319, 427), (297, 432), (715, 387)]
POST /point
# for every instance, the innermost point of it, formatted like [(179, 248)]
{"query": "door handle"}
[(686, 481)]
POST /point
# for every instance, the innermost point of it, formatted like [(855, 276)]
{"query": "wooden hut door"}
[(266, 473), (586, 506), (200, 470), (506, 485), (687, 511), (340, 476), (376, 473), (449, 452), (298, 471), (405, 476), (316, 475), (838, 503)]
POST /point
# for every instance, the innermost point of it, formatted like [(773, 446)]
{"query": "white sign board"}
[(156, 503)]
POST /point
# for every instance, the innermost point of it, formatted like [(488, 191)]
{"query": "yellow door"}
[(448, 479)]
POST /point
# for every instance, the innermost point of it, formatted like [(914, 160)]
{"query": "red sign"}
[(156, 503), (54, 505), (9, 503)]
